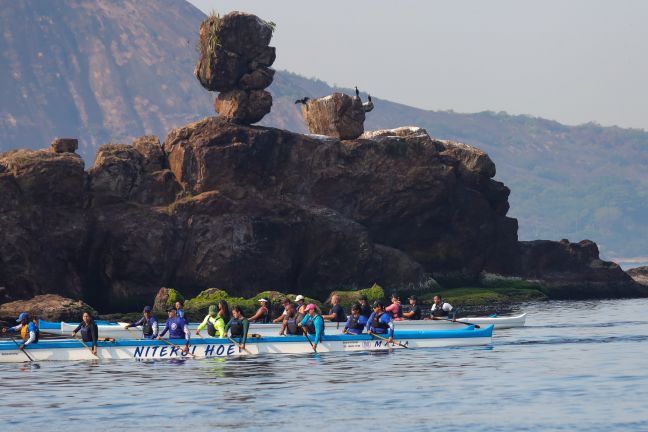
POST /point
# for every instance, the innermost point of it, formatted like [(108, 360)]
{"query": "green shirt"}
[(217, 322), (246, 325)]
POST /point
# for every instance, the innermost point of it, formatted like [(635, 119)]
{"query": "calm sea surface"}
[(576, 366)]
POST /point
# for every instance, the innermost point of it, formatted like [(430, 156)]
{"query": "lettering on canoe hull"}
[(370, 344), (209, 350)]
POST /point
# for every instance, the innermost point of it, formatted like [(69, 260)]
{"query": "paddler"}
[(365, 309), (356, 322), (301, 305), (262, 315), (179, 311), (238, 326), (336, 314), (441, 309), (214, 323), (415, 310), (313, 323), (28, 330), (380, 322), (290, 326), (177, 328), (89, 331), (150, 326)]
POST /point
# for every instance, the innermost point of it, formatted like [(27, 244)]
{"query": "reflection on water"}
[(577, 366)]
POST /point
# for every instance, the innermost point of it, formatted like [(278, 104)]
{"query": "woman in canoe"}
[(238, 326), (89, 331), (262, 315), (395, 309), (224, 311)]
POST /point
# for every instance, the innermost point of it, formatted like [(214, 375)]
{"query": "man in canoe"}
[(336, 314), (150, 326), (238, 326), (380, 322), (290, 323), (177, 328), (441, 309), (365, 309), (313, 323), (28, 330), (356, 322), (89, 331), (415, 310), (214, 323), (285, 303), (301, 305)]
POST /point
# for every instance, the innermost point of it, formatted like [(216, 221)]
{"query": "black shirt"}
[(365, 310), (340, 316), (417, 312)]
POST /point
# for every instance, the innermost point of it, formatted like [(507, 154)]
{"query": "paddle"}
[(178, 346), (23, 350), (86, 345), (131, 332), (460, 322), (237, 344), (309, 340), (386, 339)]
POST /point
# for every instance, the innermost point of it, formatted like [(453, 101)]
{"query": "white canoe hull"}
[(71, 349), (117, 331)]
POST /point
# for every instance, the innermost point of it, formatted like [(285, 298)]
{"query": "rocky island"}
[(221, 203)]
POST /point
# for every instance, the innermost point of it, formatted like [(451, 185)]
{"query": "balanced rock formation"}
[(49, 307), (64, 145), (235, 60), (337, 115)]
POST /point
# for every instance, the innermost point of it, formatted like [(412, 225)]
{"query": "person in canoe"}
[(150, 326), (214, 323), (395, 308), (289, 326), (415, 310), (262, 315), (179, 311), (313, 324), (336, 314), (380, 322), (238, 326), (285, 303), (356, 322), (441, 309), (89, 331), (223, 310), (301, 305), (365, 309), (28, 329), (177, 328)]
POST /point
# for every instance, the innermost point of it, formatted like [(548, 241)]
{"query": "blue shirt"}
[(385, 319), (362, 320), (318, 322), (154, 324), (180, 313), (177, 328)]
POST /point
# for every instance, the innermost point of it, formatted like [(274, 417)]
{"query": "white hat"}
[(299, 297), (263, 300)]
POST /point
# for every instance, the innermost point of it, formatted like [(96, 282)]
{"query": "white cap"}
[(263, 300), (299, 297)]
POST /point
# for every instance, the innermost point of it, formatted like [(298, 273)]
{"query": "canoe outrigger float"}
[(142, 349), (117, 330)]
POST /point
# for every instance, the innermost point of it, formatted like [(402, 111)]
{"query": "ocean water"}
[(576, 366)]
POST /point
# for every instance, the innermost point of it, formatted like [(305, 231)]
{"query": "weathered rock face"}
[(48, 307), (338, 115), (64, 145), (234, 60), (639, 274)]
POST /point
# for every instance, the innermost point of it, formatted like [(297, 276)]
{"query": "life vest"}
[(439, 312), (147, 327), (86, 331), (355, 325), (24, 332), (310, 326), (236, 327), (417, 312), (291, 325), (211, 325), (377, 324), (399, 312)]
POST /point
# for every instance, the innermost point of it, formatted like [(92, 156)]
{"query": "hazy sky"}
[(573, 61)]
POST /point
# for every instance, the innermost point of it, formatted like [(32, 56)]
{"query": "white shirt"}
[(445, 306)]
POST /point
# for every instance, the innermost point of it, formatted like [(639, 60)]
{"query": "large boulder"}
[(639, 274), (338, 115), (243, 106), (64, 145), (48, 307)]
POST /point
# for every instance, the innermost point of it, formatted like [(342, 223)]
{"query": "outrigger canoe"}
[(117, 330), (142, 349)]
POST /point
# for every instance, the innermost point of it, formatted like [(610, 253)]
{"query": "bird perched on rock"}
[(357, 92), (368, 106), (303, 100)]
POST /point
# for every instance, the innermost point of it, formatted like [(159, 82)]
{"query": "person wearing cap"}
[(285, 303), (289, 326), (89, 331), (301, 305), (441, 309), (177, 328), (262, 315), (336, 314), (356, 322), (150, 326), (380, 322), (179, 304), (28, 329), (365, 309), (313, 323), (415, 310), (214, 323), (238, 326), (396, 309)]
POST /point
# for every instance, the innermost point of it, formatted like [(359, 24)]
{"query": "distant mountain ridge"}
[(108, 71)]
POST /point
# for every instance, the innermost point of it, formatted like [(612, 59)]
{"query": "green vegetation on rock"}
[(349, 298)]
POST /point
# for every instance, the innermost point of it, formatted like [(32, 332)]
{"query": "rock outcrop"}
[(235, 60), (64, 145), (338, 115), (639, 274), (48, 307)]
